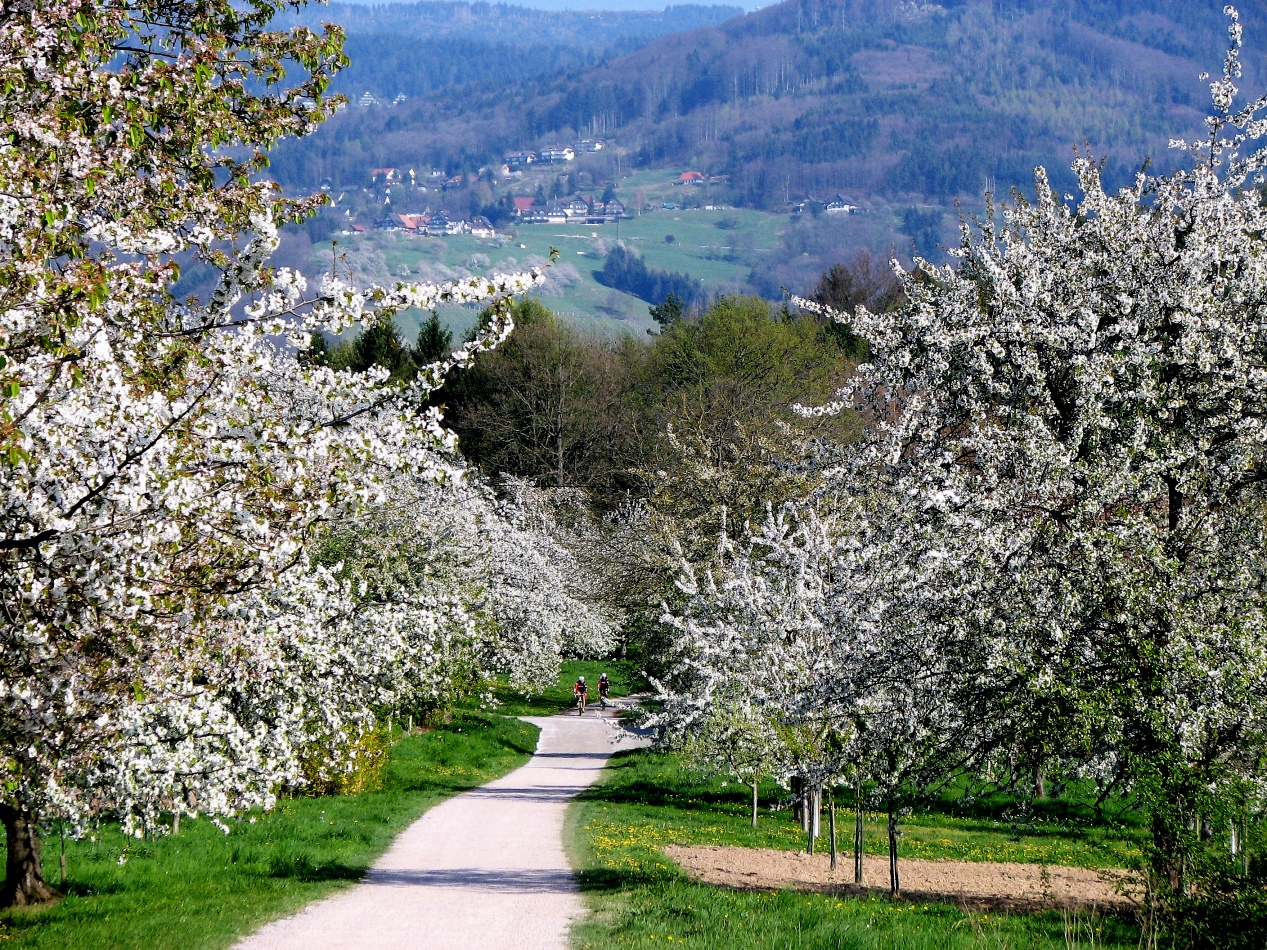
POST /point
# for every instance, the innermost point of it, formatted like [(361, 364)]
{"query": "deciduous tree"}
[(167, 461)]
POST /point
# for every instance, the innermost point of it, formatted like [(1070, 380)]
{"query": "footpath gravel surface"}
[(483, 869)]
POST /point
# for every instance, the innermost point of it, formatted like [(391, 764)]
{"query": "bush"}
[(364, 773), (1233, 919)]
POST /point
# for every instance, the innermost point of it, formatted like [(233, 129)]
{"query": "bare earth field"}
[(969, 883)]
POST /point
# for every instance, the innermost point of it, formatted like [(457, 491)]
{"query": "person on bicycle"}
[(604, 689), (581, 691)]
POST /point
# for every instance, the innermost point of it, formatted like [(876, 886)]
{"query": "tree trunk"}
[(831, 823), (754, 801), (816, 811), (895, 886), (808, 818), (857, 837), (24, 882), (1244, 850), (1040, 781)]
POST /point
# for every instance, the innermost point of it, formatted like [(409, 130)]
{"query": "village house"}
[(481, 227), (523, 205), (840, 205), (515, 159), (385, 176), (591, 145), (438, 224), (409, 222), (691, 178), (557, 154)]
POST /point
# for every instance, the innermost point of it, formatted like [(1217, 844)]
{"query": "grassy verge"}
[(642, 899), (203, 888), (624, 676)]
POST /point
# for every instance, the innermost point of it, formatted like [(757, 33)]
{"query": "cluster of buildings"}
[(437, 223), (386, 177), (368, 100), (553, 154), (560, 210), (699, 178), (837, 205)]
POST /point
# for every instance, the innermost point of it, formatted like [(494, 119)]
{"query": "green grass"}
[(624, 676), (203, 888), (642, 899), (718, 257)]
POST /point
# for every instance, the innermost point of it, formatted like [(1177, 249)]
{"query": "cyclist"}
[(581, 691), (604, 689)]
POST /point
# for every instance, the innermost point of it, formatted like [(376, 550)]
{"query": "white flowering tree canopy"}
[(167, 461), (803, 639), (1073, 417)]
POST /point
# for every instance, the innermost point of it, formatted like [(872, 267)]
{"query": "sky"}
[(747, 5)]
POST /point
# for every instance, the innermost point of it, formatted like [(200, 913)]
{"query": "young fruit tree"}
[(1075, 416), (817, 625), (167, 461)]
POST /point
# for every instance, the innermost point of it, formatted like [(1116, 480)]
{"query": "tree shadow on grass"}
[(612, 880), (661, 791), (301, 868)]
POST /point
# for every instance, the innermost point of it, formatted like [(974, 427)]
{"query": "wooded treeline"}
[(626, 270), (612, 417)]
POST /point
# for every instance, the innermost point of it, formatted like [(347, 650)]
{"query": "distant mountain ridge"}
[(513, 24), (413, 49), (874, 97)]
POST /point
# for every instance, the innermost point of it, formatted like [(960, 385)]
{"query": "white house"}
[(557, 154), (840, 205)]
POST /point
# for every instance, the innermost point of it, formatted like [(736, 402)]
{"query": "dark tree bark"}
[(831, 823), (857, 836), (895, 885), (24, 882)]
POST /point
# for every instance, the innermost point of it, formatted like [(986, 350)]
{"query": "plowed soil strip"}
[(968, 883)]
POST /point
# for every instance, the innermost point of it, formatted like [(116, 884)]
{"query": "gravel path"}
[(483, 869)]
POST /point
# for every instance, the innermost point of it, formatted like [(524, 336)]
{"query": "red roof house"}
[(690, 178), (523, 205)]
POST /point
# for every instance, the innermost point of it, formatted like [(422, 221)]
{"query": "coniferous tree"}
[(669, 312), (434, 341)]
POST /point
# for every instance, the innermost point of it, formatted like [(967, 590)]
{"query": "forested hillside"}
[(811, 97), (412, 49)]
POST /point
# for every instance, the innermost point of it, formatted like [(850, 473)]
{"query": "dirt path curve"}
[(483, 869)]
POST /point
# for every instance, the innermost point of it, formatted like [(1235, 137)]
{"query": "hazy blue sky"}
[(601, 4)]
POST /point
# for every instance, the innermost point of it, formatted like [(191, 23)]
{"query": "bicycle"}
[(580, 704)]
